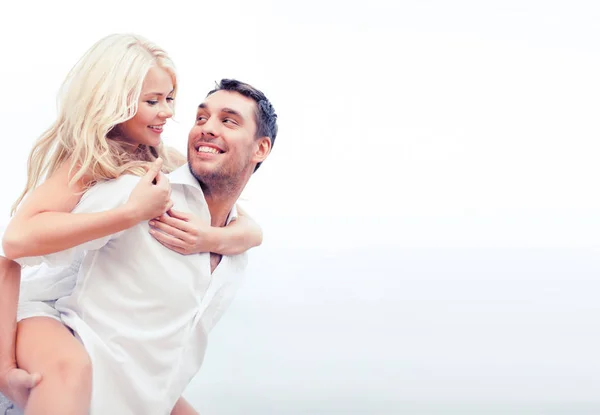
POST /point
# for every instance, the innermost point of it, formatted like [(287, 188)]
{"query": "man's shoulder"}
[(113, 189), (125, 181)]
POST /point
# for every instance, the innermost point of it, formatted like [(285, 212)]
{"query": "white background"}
[(430, 206)]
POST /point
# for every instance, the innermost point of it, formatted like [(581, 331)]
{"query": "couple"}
[(143, 266)]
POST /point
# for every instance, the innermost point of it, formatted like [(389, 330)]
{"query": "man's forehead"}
[(220, 100)]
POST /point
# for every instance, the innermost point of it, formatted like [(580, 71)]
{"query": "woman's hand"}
[(16, 384), (152, 195), (183, 233), (186, 234)]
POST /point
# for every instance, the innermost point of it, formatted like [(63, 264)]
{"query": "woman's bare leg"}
[(182, 407), (46, 346)]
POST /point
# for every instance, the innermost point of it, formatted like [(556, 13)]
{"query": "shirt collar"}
[(184, 177)]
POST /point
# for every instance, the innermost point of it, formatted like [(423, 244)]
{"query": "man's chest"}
[(215, 259)]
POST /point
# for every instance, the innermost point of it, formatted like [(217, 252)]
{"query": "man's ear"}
[(263, 148)]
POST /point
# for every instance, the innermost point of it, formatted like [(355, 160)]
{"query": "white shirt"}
[(141, 310)]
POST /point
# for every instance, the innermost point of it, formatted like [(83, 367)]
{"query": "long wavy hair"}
[(100, 92)]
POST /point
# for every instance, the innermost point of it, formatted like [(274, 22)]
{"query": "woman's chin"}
[(152, 143)]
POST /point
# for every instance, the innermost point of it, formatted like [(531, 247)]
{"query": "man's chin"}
[(201, 168)]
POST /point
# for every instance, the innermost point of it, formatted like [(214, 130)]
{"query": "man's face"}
[(222, 144)]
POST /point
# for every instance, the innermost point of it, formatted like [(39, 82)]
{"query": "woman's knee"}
[(74, 370)]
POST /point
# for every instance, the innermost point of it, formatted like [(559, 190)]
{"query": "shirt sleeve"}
[(102, 197)]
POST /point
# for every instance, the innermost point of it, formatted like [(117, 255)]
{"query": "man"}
[(143, 311)]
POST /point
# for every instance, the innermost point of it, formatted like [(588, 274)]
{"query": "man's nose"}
[(210, 127)]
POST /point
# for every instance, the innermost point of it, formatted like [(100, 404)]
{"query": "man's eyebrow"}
[(232, 112), (203, 106)]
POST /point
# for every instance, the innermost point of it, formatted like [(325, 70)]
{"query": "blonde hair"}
[(100, 92)]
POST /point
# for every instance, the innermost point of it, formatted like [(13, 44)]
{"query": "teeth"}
[(206, 149), (156, 127)]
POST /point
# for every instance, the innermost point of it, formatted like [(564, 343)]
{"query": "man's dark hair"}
[(265, 117)]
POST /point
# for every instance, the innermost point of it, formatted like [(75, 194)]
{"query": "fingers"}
[(169, 205), (154, 170), (169, 229), (179, 215), (36, 378), (176, 223), (162, 180), (168, 240), (21, 379)]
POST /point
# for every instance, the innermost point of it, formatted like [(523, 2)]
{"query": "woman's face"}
[(155, 107)]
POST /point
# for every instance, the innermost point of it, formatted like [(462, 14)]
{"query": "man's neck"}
[(220, 203), (220, 198), (220, 208)]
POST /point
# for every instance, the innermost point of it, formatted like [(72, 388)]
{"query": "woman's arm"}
[(186, 234), (10, 278), (239, 236), (42, 224), (14, 383)]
